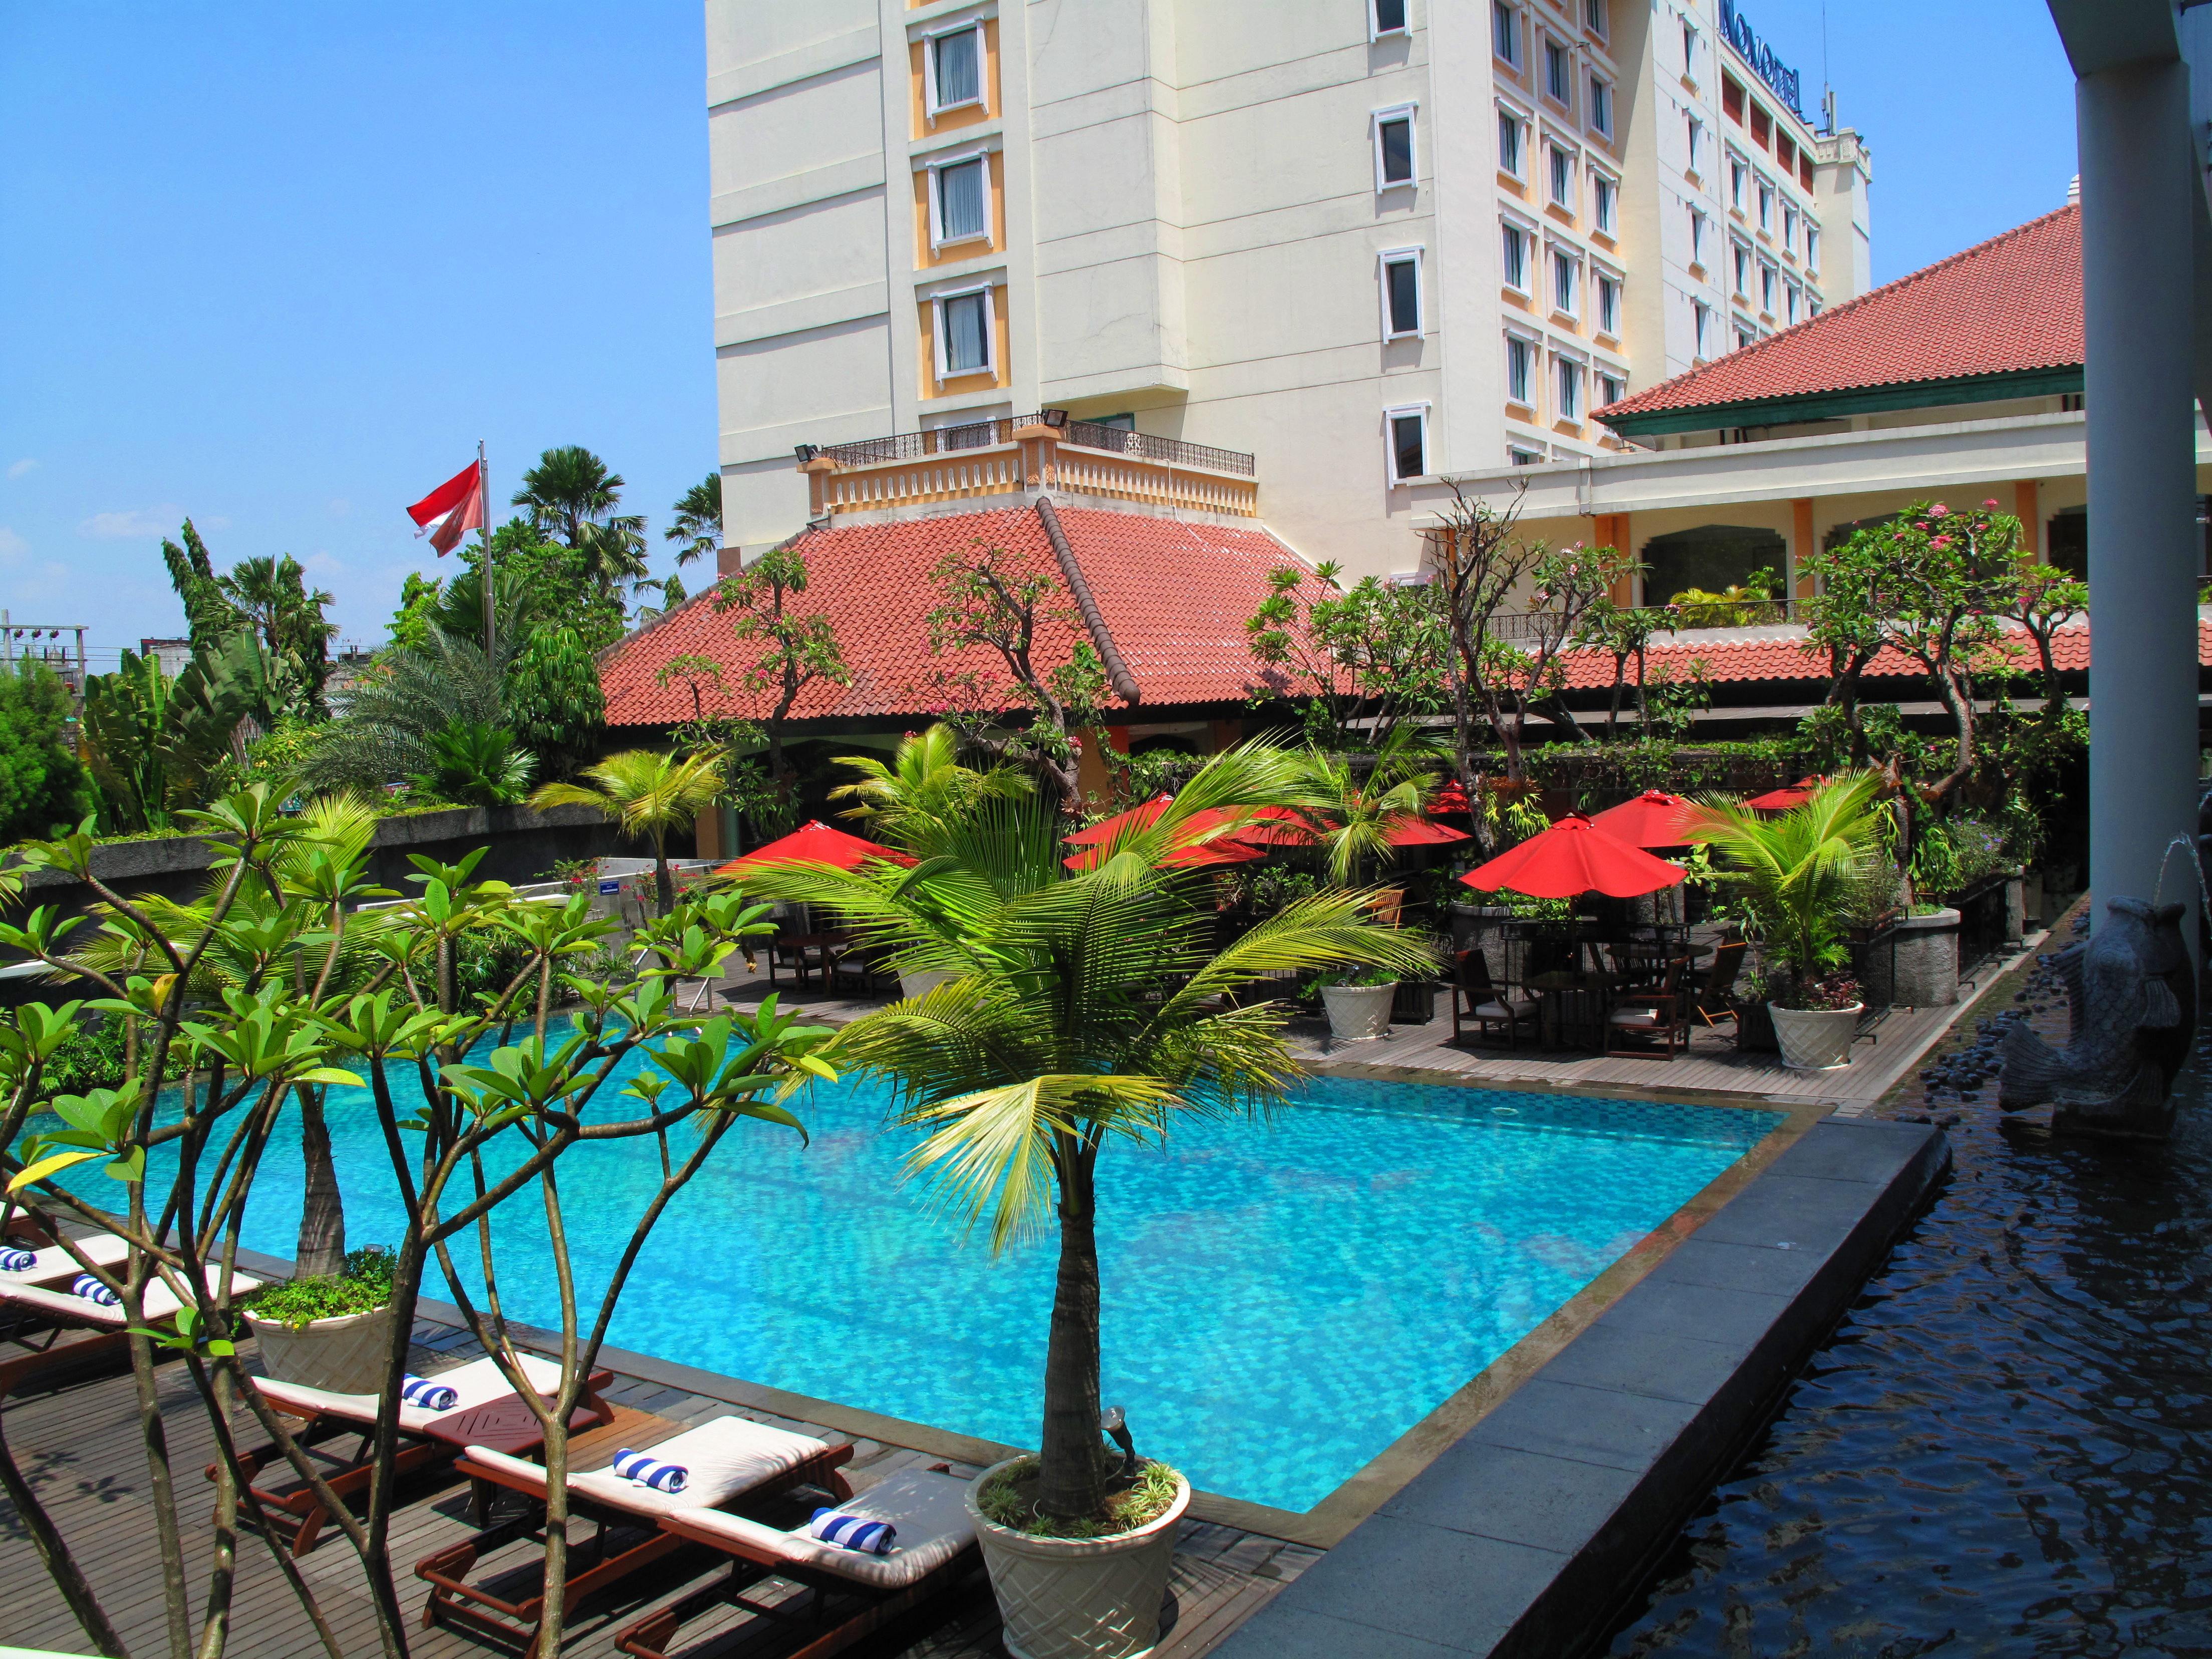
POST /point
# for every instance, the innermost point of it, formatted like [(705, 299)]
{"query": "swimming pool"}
[(1281, 1301)]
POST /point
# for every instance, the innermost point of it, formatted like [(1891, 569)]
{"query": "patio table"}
[(1572, 1007)]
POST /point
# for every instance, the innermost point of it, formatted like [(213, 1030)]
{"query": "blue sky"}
[(280, 267)]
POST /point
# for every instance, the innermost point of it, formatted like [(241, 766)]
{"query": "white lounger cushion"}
[(75, 1310), (477, 1384), (101, 1249), (929, 1510), (728, 1456)]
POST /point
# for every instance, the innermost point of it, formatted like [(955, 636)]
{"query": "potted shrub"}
[(1359, 1004), (1093, 1011), (330, 1333), (1798, 877)]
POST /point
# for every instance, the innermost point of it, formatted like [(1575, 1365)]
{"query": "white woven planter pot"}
[(1815, 1039), (920, 985), (1080, 1598), (1357, 1013), (345, 1355)]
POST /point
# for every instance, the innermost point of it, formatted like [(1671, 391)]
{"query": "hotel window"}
[(1558, 72), (1516, 258), (1732, 99), (1517, 457), (1506, 32), (963, 334), (1767, 278), (1812, 248), (1695, 131), (1594, 17), (1701, 324), (1409, 441), (1737, 170), (1520, 370), (1741, 255), (1562, 178), (1788, 228), (1600, 106), (1811, 307), (955, 69), (1608, 305), (1793, 298), (1385, 17), (1394, 147), (1566, 283), (1401, 292), (1512, 139), (1605, 197), (1570, 406), (1765, 205), (1611, 389), (1745, 334), (1697, 237), (958, 202)]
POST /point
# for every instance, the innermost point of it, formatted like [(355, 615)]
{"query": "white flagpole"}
[(484, 502)]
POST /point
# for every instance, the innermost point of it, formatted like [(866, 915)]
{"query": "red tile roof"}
[(2010, 304), (1735, 661), (1173, 597)]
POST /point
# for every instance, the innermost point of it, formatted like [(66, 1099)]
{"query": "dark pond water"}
[(2006, 1447)]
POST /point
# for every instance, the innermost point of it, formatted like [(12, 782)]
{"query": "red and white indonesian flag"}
[(459, 501)]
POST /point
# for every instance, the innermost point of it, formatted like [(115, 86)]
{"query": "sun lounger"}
[(727, 1459), (40, 1307), (853, 1594), (426, 1437)]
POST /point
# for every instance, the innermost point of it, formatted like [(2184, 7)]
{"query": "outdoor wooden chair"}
[(57, 1330), (865, 972), (1651, 1015), (1477, 999), (1715, 999)]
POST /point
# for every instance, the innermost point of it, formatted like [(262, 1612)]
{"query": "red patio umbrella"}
[(1137, 817), (1205, 855), (1574, 856), (1782, 800), (1452, 798), (815, 843), (1654, 819), (1409, 829)]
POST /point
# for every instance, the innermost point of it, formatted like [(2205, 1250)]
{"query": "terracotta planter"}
[(1815, 1039), (1080, 1598), (345, 1355), (1358, 1012)]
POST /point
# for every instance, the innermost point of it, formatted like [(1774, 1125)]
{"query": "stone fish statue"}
[(2132, 996)]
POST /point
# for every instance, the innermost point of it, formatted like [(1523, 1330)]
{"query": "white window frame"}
[(1410, 114), (1531, 246), (1599, 278), (1811, 245), (1569, 368), (1739, 175), (1601, 104), (1524, 128), (1400, 256), (1597, 18), (1375, 29), (1793, 304), (1763, 188), (1701, 316), (1770, 279), (1533, 350), (983, 98), (1602, 184), (1599, 376), (1391, 417), (1747, 333), (944, 334), (1516, 33), (1558, 251), (1562, 160), (1740, 269), (936, 166), (1689, 49), (1566, 100), (1697, 234), (1693, 130), (1790, 219)]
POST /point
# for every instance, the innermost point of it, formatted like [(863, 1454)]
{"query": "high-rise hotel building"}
[(1368, 242)]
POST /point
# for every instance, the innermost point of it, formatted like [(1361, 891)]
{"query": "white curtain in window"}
[(960, 200), (965, 351), (959, 75)]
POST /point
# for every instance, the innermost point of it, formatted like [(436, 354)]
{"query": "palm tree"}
[(386, 724), (698, 522), (1356, 814), (923, 788), (571, 494), (648, 793), (1089, 1008), (476, 765)]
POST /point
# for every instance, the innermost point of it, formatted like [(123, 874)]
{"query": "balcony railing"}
[(1085, 435), (1669, 618)]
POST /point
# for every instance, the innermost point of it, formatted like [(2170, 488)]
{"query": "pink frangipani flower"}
[(1938, 510)]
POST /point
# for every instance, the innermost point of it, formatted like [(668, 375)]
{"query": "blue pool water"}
[(1281, 1300)]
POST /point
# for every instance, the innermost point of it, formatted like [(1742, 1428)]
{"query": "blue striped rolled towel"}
[(641, 1469), (12, 1261), (429, 1395), (852, 1532), (93, 1290)]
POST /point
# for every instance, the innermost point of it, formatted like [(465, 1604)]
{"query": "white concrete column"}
[(2136, 265)]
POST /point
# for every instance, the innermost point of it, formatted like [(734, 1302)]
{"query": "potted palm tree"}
[(1799, 874), (1089, 1008), (1357, 821), (648, 793)]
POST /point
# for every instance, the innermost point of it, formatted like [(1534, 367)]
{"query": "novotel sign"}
[(1736, 29)]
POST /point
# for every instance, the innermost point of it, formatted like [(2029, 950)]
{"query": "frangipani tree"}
[(1089, 1010)]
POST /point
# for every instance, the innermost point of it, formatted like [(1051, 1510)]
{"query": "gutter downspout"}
[(1117, 672)]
